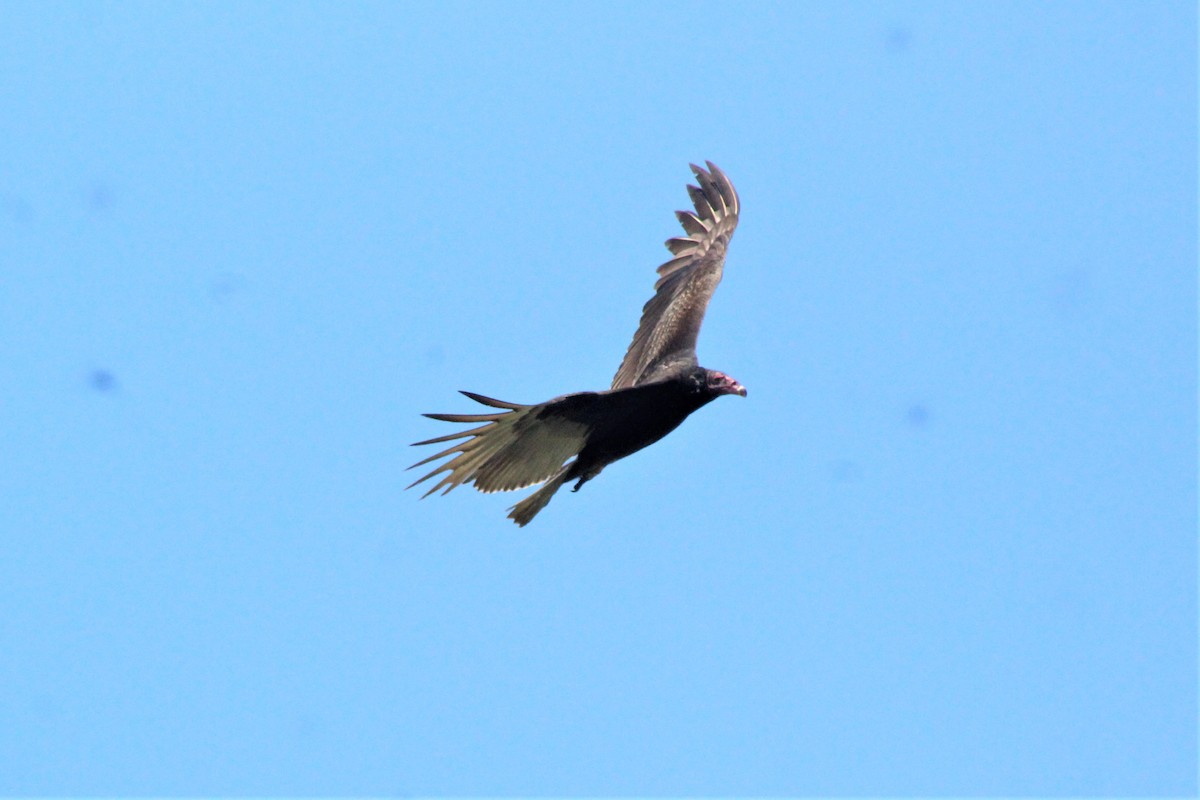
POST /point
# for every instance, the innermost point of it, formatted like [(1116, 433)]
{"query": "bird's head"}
[(718, 383)]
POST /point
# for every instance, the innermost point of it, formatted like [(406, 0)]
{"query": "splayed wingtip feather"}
[(491, 401)]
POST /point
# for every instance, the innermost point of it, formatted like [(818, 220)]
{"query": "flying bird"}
[(658, 384)]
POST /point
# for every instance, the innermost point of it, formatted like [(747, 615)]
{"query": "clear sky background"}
[(946, 545)]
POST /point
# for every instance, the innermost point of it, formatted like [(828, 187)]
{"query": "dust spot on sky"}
[(917, 415), (102, 380), (224, 286), (16, 208), (843, 470), (1071, 291), (898, 39), (99, 197), (435, 355)]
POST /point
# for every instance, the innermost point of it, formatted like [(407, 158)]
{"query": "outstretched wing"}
[(671, 319), (514, 448)]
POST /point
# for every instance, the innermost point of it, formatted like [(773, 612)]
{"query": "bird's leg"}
[(586, 476)]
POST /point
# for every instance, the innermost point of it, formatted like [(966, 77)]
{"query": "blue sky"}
[(947, 545)]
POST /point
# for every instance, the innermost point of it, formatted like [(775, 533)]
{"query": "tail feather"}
[(528, 508)]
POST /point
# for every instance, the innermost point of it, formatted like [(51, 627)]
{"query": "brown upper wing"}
[(671, 319)]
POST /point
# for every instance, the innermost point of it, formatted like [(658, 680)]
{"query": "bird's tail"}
[(528, 508)]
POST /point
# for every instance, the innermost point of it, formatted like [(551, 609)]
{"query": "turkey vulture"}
[(658, 384)]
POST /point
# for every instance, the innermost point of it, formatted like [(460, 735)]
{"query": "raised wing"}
[(516, 447), (666, 335)]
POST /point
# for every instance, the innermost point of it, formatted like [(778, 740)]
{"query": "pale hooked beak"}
[(727, 385)]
